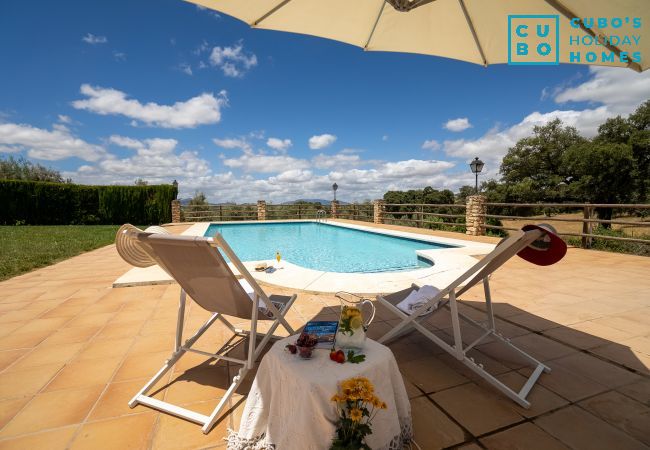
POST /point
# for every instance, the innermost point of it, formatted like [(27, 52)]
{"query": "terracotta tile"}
[(85, 373), (579, 429), (50, 324), (626, 414), (200, 383), (575, 338), (114, 401), (71, 407), (105, 349), (633, 359), (110, 434), (430, 374), (64, 310), (598, 370), (90, 320), (50, 440), (523, 437), (19, 383), (9, 408), (120, 330), (541, 399), (23, 340), (9, 357), (566, 383), (72, 335), (639, 391), (476, 409), (151, 344), (140, 366), (173, 433), (470, 446), (533, 322), (444, 434), (48, 354), (541, 348)]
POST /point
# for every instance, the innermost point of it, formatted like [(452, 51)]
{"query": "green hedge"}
[(41, 203)]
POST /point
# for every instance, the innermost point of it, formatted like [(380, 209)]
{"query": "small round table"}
[(289, 406)]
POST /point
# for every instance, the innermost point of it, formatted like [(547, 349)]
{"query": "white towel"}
[(418, 298)]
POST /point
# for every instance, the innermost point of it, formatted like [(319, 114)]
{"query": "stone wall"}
[(379, 207), (475, 215), (335, 208), (261, 210), (176, 211)]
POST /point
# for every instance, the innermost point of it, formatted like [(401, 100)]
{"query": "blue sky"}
[(107, 92)]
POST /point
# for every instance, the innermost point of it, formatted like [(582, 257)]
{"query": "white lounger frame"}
[(447, 297), (180, 348)]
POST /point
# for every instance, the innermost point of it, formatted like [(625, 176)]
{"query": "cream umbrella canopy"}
[(470, 30)]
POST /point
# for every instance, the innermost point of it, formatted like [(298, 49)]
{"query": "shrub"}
[(43, 203)]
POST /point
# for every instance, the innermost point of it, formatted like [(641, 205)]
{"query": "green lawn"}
[(25, 248)]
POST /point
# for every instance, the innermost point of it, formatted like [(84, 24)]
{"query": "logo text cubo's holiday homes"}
[(536, 40)]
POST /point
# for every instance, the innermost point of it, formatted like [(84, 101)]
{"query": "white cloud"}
[(620, 89), (279, 144), (342, 160), (262, 163), (209, 11), (431, 144), (155, 160), (230, 143), (616, 90), (233, 61), (200, 110), (64, 119), (456, 125), (50, 145), (185, 68), (321, 141), (91, 39), (119, 56)]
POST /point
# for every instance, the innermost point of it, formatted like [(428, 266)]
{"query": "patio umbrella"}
[(476, 31)]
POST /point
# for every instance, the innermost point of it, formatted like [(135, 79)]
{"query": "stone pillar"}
[(475, 215), (176, 211), (261, 210), (335, 208), (379, 207)]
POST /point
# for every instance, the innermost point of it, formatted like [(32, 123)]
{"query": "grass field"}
[(24, 248)]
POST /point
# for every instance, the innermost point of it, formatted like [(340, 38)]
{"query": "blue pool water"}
[(320, 246)]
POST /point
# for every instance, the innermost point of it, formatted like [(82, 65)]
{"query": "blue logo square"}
[(533, 39)]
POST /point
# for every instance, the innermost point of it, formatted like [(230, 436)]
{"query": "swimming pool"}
[(325, 247)]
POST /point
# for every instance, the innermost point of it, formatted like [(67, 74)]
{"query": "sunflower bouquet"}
[(357, 405)]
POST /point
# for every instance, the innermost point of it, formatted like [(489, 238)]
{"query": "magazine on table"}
[(325, 330)]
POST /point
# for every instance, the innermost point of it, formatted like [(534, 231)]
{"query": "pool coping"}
[(448, 264)]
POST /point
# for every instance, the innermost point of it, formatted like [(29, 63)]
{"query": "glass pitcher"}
[(351, 333)]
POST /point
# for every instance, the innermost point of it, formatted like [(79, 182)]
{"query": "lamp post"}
[(175, 184), (476, 165), (334, 188)]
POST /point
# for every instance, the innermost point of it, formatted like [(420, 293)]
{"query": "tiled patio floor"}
[(73, 351)]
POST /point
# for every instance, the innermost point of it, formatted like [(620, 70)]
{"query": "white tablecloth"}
[(289, 405)]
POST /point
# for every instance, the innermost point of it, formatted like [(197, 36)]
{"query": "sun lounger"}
[(202, 273), (537, 244)]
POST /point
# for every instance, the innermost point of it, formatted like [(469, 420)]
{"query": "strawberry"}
[(340, 357), (333, 355), (292, 348)]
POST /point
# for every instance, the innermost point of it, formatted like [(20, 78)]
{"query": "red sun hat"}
[(548, 249)]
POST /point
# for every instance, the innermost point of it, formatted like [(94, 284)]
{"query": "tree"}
[(535, 162), (21, 169), (141, 182), (602, 173), (198, 199)]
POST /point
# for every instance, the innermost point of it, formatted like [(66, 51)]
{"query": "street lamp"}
[(175, 184), (334, 188), (476, 166)]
